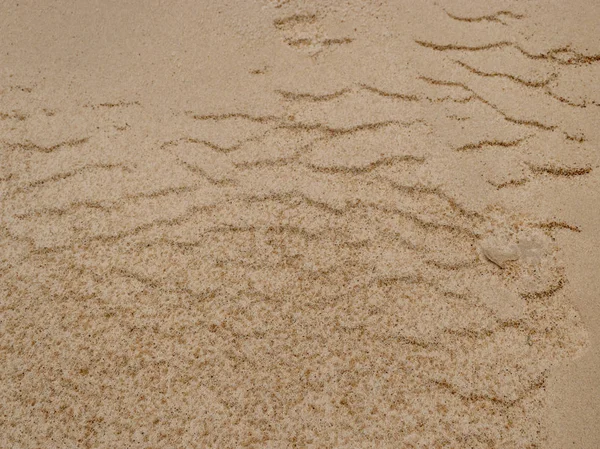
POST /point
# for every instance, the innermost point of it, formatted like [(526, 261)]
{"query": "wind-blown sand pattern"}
[(324, 248)]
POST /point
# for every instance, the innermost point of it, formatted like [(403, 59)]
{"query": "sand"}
[(279, 224)]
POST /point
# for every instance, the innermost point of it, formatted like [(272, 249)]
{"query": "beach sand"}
[(277, 224)]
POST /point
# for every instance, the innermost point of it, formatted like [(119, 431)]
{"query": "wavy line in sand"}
[(337, 41), (58, 211), (299, 42), (294, 19), (546, 293), (212, 145), (330, 131), (559, 171), (551, 55), (491, 143), (305, 42), (495, 17), (516, 79), (532, 123), (69, 174), (511, 183), (386, 161), (566, 101), (30, 146), (312, 97), (453, 100), (118, 104), (383, 93), (452, 266), (552, 225), (275, 162), (297, 96), (234, 115)]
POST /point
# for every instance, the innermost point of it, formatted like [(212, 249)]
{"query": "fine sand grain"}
[(278, 224)]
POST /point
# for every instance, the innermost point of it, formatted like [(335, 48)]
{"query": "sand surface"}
[(278, 224)]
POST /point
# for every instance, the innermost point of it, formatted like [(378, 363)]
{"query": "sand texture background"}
[(277, 224)]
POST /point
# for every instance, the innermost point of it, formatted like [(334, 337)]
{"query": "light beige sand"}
[(278, 224)]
